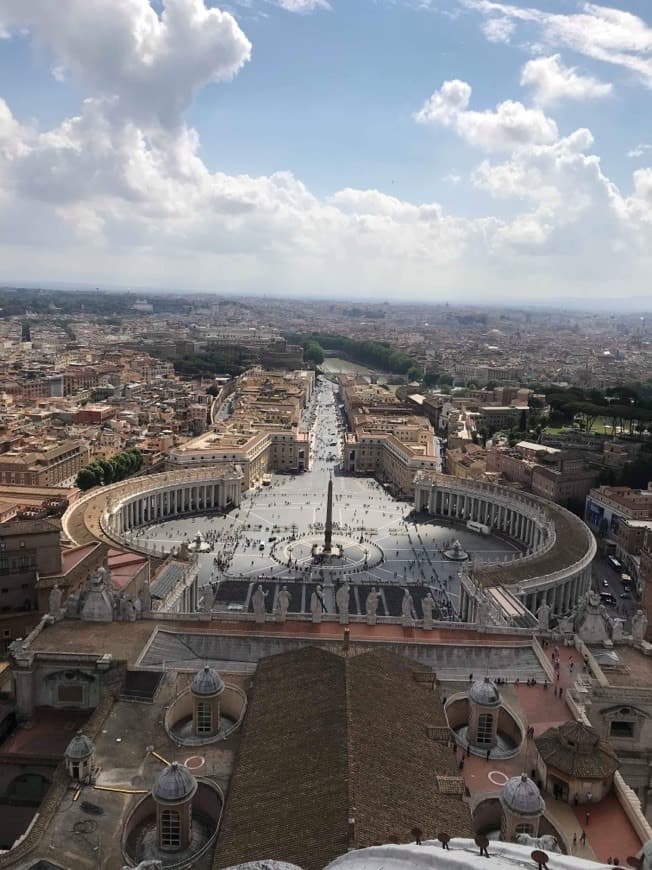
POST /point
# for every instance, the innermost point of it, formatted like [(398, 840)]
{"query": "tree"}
[(107, 470), (86, 479), (522, 423), (313, 352)]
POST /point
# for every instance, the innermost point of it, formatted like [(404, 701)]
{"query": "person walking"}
[(583, 838)]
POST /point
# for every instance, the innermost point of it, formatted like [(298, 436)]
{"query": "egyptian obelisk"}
[(328, 531)]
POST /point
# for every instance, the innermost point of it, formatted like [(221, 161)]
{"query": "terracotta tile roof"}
[(577, 750), (327, 739)]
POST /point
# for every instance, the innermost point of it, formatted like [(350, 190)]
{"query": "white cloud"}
[(303, 6), (119, 193), (639, 151), (151, 66), (498, 29), (510, 125), (552, 82), (600, 32)]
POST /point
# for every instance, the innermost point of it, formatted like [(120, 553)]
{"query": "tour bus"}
[(477, 527), (267, 479), (616, 564)]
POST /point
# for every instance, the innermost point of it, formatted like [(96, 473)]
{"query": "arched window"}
[(524, 828), (170, 833), (204, 718), (485, 728)]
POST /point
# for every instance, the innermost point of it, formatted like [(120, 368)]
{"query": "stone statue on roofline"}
[(427, 606), (618, 629), (72, 605), (283, 604), (592, 620), (543, 616), (639, 626), (54, 602), (407, 609), (371, 606), (317, 604), (342, 600), (258, 603)]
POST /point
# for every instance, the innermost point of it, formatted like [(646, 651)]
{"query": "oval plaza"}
[(547, 556)]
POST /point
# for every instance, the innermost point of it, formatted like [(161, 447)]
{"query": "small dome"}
[(207, 682), (484, 692), (175, 784), (79, 747), (522, 797)]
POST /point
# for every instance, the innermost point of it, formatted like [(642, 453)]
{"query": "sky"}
[(456, 150)]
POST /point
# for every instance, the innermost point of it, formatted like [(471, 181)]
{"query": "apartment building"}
[(387, 439), (607, 506), (27, 549), (558, 475), (263, 432), (48, 465)]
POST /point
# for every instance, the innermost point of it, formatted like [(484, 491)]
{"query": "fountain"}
[(198, 544), (456, 553)]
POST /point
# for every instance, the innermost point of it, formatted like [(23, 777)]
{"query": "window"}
[(204, 718), (170, 832), (621, 729), (485, 727), (524, 828)]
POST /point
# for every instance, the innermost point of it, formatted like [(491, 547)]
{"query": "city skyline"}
[(301, 147)]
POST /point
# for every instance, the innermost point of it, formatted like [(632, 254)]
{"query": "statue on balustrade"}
[(618, 629), (342, 600), (317, 604), (543, 616), (407, 610), (283, 604), (639, 626), (371, 606), (591, 620), (427, 606), (258, 603), (54, 601)]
